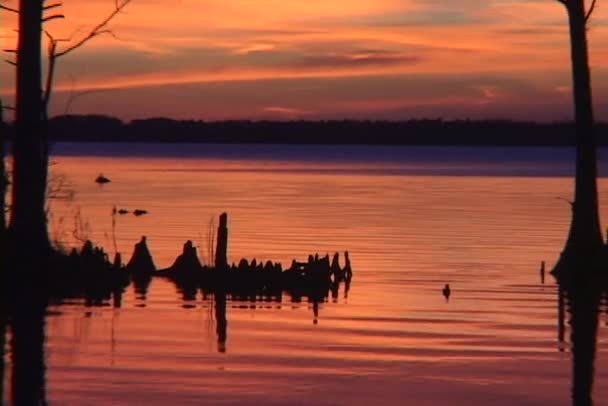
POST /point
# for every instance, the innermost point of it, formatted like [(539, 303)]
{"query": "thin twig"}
[(114, 211), (53, 17), (97, 30), (12, 10), (51, 6), (50, 74), (590, 10), (54, 53)]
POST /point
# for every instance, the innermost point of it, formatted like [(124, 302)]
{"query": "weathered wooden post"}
[(221, 257)]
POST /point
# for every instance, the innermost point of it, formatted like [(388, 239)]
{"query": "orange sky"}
[(279, 59)]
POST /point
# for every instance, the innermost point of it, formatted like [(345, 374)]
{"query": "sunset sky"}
[(319, 59)]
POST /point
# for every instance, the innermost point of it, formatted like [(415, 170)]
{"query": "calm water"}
[(412, 219)]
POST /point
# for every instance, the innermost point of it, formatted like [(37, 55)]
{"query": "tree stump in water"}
[(188, 261), (141, 262)]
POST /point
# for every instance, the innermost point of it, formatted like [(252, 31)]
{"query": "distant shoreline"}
[(96, 128)]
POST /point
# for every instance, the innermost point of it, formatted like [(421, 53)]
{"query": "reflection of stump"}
[(580, 291), (221, 328), (221, 258), (348, 272)]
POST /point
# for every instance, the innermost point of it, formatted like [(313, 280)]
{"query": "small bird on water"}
[(139, 212), (102, 179), (446, 292)]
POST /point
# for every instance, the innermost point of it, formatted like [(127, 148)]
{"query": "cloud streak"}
[(237, 44)]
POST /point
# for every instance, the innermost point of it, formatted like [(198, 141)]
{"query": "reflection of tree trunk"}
[(27, 349), (222, 323), (2, 347), (561, 317), (584, 307), (28, 219), (585, 236)]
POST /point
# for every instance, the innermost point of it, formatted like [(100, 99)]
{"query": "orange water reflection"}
[(393, 336)]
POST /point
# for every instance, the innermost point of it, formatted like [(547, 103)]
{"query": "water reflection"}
[(28, 369), (578, 306), (2, 348), (581, 293), (25, 331), (221, 328), (561, 319), (141, 283)]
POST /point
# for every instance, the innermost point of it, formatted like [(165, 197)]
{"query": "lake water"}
[(412, 219)]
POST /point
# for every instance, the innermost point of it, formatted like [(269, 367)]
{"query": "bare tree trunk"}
[(3, 180), (585, 236), (28, 226)]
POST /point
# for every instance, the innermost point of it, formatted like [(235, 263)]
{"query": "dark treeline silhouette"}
[(98, 128)]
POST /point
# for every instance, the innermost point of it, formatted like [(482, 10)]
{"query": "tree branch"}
[(73, 96), (53, 17), (12, 10), (46, 96), (97, 30), (51, 6), (590, 10), (54, 53)]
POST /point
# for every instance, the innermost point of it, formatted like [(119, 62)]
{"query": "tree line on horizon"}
[(102, 128)]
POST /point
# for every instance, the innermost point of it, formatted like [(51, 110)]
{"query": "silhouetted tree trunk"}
[(3, 180), (585, 236), (584, 251), (28, 226)]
